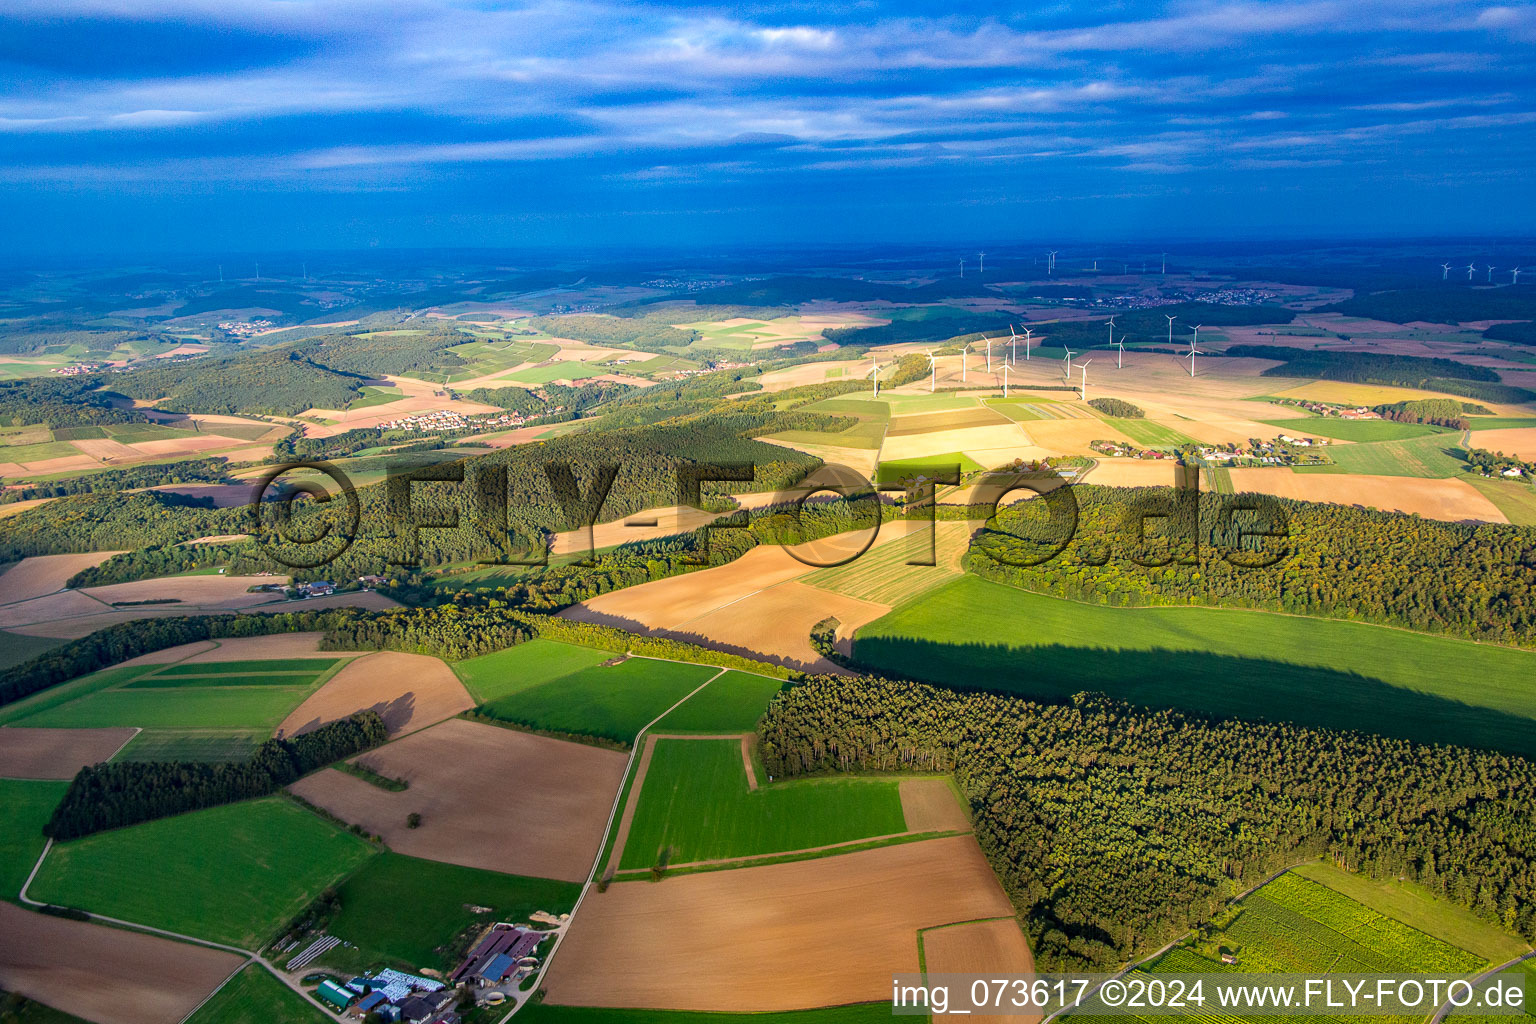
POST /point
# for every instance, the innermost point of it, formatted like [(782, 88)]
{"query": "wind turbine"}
[(1028, 331), (1445, 271), (1111, 322), (933, 372), (221, 273), (1470, 268), (1120, 356), (989, 355), (1192, 353), (258, 271), (1050, 268), (1514, 276), (1165, 263), (1491, 269), (1005, 380), (962, 268), (1170, 320), (1084, 367), (1066, 373), (1196, 339), (981, 263), (1095, 266), (875, 362), (1013, 344)]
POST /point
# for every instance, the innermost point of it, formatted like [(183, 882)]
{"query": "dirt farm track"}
[(808, 933), (106, 975)]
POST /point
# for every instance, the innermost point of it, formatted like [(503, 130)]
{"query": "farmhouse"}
[(495, 957)]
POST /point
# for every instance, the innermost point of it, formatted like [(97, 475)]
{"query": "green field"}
[(569, 370), (216, 707), (1318, 920), (487, 357), (696, 803), (613, 702), (859, 1013), (65, 693), (241, 696), (888, 472), (412, 910), (16, 648), (1500, 422), (1515, 499), (16, 1009), (25, 807), (1421, 457), (732, 703), (494, 676), (254, 996), (1355, 430), (1250, 664), (192, 745), (1149, 433), (866, 434), (235, 874), (372, 396)]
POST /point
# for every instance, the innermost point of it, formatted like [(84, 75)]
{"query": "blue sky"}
[(251, 124)]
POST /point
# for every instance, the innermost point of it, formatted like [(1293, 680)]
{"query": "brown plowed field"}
[(788, 936), (56, 753), (104, 974), (488, 797), (993, 948), (929, 805), (409, 691), (45, 574)]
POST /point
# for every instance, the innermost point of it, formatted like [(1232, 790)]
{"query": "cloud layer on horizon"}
[(555, 115)]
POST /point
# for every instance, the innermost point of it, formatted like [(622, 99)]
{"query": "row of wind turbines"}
[(1013, 354), (1514, 272), (1050, 264)]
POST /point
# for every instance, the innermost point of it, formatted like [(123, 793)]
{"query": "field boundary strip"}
[(788, 856)]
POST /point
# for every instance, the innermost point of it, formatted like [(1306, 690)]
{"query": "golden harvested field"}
[(104, 974), (106, 449), (862, 460), (669, 520), (409, 691), (1517, 441), (821, 932), (45, 574), (812, 373), (775, 625), (1452, 500), (1070, 436), (750, 606), (990, 446), (930, 805), (488, 798), (1134, 473), (883, 574), (1353, 394), (171, 655), (56, 753), (258, 648)]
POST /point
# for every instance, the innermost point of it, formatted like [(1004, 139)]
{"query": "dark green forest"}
[(280, 381), (1447, 375), (115, 794), (1450, 302), (1115, 829)]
